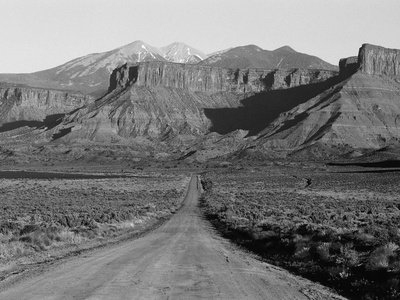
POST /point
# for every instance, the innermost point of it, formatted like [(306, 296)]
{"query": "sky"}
[(41, 34)]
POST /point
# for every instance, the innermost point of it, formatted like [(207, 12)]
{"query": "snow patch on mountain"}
[(182, 53)]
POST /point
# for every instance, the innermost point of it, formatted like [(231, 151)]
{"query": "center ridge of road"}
[(182, 259)]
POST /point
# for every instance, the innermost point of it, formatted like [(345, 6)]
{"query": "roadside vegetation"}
[(43, 215), (341, 229)]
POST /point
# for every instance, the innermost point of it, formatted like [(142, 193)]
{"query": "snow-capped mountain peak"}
[(182, 53)]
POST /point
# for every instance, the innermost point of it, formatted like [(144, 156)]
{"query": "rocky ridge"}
[(202, 111), (359, 112), (23, 103), (90, 74), (196, 78), (377, 60), (172, 107), (252, 56)]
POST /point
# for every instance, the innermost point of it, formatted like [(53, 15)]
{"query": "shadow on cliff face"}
[(49, 122), (259, 110)]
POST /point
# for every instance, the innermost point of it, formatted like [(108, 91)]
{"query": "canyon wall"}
[(18, 102), (210, 80), (348, 66), (376, 60), (176, 102)]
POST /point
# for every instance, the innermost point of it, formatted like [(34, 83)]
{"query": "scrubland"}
[(338, 227), (43, 217)]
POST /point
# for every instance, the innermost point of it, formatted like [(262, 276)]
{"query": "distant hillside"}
[(252, 56), (90, 74), (359, 112), (202, 112)]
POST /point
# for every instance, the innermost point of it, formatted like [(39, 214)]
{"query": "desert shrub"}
[(69, 237), (38, 214), (381, 257), (206, 184), (323, 252), (37, 239), (11, 249), (29, 228), (7, 227), (337, 231)]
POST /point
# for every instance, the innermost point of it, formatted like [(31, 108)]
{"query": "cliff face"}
[(348, 66), (371, 60), (23, 103), (210, 80), (173, 104), (376, 60), (90, 74), (156, 113), (358, 113)]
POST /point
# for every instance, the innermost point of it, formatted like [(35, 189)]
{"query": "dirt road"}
[(183, 259)]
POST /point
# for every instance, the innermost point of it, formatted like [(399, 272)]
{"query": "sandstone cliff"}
[(175, 106), (90, 74), (376, 60), (196, 78), (361, 112), (348, 66), (188, 109), (23, 103)]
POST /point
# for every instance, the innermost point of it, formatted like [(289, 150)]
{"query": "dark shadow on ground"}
[(379, 164), (51, 175), (49, 122), (371, 171), (261, 109), (61, 133)]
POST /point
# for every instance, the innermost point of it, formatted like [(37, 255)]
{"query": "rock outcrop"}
[(175, 106), (23, 103), (348, 66), (376, 60), (157, 113), (210, 80), (90, 74), (360, 112), (172, 105)]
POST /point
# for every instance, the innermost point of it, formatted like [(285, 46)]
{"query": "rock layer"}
[(90, 74), (376, 60), (23, 103), (196, 78), (361, 112), (157, 113), (348, 66), (173, 104)]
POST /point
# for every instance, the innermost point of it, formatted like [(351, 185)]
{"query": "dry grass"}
[(44, 214), (341, 229)]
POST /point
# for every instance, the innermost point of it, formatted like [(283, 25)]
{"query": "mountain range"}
[(90, 74), (200, 111), (252, 56)]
